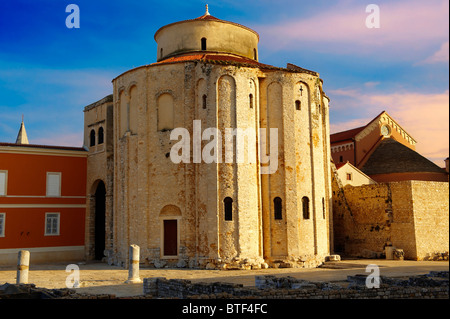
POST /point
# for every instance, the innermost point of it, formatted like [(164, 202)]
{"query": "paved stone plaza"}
[(99, 278)]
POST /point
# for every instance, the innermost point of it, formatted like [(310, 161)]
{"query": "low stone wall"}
[(432, 286)]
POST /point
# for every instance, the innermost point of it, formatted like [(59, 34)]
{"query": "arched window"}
[(92, 138), (161, 53), (165, 113), (305, 204), (203, 44), (277, 208), (228, 206), (204, 101), (255, 55), (250, 97), (100, 135), (341, 159), (298, 105)]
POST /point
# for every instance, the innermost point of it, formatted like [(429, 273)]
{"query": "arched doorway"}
[(170, 217), (99, 224)]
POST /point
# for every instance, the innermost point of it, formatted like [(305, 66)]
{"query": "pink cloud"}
[(424, 116), (439, 56), (406, 27), (348, 125)]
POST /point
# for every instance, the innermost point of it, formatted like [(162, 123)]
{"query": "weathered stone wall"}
[(431, 218), (100, 168), (146, 181), (410, 215), (432, 285)]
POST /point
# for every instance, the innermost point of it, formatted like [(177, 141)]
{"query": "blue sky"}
[(49, 72)]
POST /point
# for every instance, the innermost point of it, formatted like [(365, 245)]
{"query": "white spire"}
[(22, 137)]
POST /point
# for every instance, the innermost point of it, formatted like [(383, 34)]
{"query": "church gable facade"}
[(267, 203), (356, 145)]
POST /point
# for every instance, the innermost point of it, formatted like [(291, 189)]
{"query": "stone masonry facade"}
[(225, 214), (409, 215)]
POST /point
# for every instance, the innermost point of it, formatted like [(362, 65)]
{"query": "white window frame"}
[(58, 222), (2, 224), (48, 194), (5, 183)]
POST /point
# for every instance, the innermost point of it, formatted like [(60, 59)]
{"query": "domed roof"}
[(207, 16), (206, 34)]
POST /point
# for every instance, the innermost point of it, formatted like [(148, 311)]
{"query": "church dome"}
[(206, 34)]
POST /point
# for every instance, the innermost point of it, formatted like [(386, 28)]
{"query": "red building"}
[(42, 201)]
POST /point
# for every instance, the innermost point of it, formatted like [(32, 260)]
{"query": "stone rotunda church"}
[(223, 214)]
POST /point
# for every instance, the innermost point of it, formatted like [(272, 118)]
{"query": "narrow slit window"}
[(250, 97), (278, 208), (323, 208), (305, 204), (298, 105), (204, 101), (255, 54), (203, 44), (228, 206)]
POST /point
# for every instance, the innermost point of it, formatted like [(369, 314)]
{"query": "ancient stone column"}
[(133, 268), (23, 264)]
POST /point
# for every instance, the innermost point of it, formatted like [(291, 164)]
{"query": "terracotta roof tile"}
[(207, 17), (226, 59), (345, 135)]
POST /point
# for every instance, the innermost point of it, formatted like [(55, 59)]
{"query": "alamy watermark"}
[(373, 280), (73, 19), (73, 280), (373, 19), (245, 146)]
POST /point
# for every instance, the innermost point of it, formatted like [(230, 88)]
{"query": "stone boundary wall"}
[(409, 215), (432, 286)]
